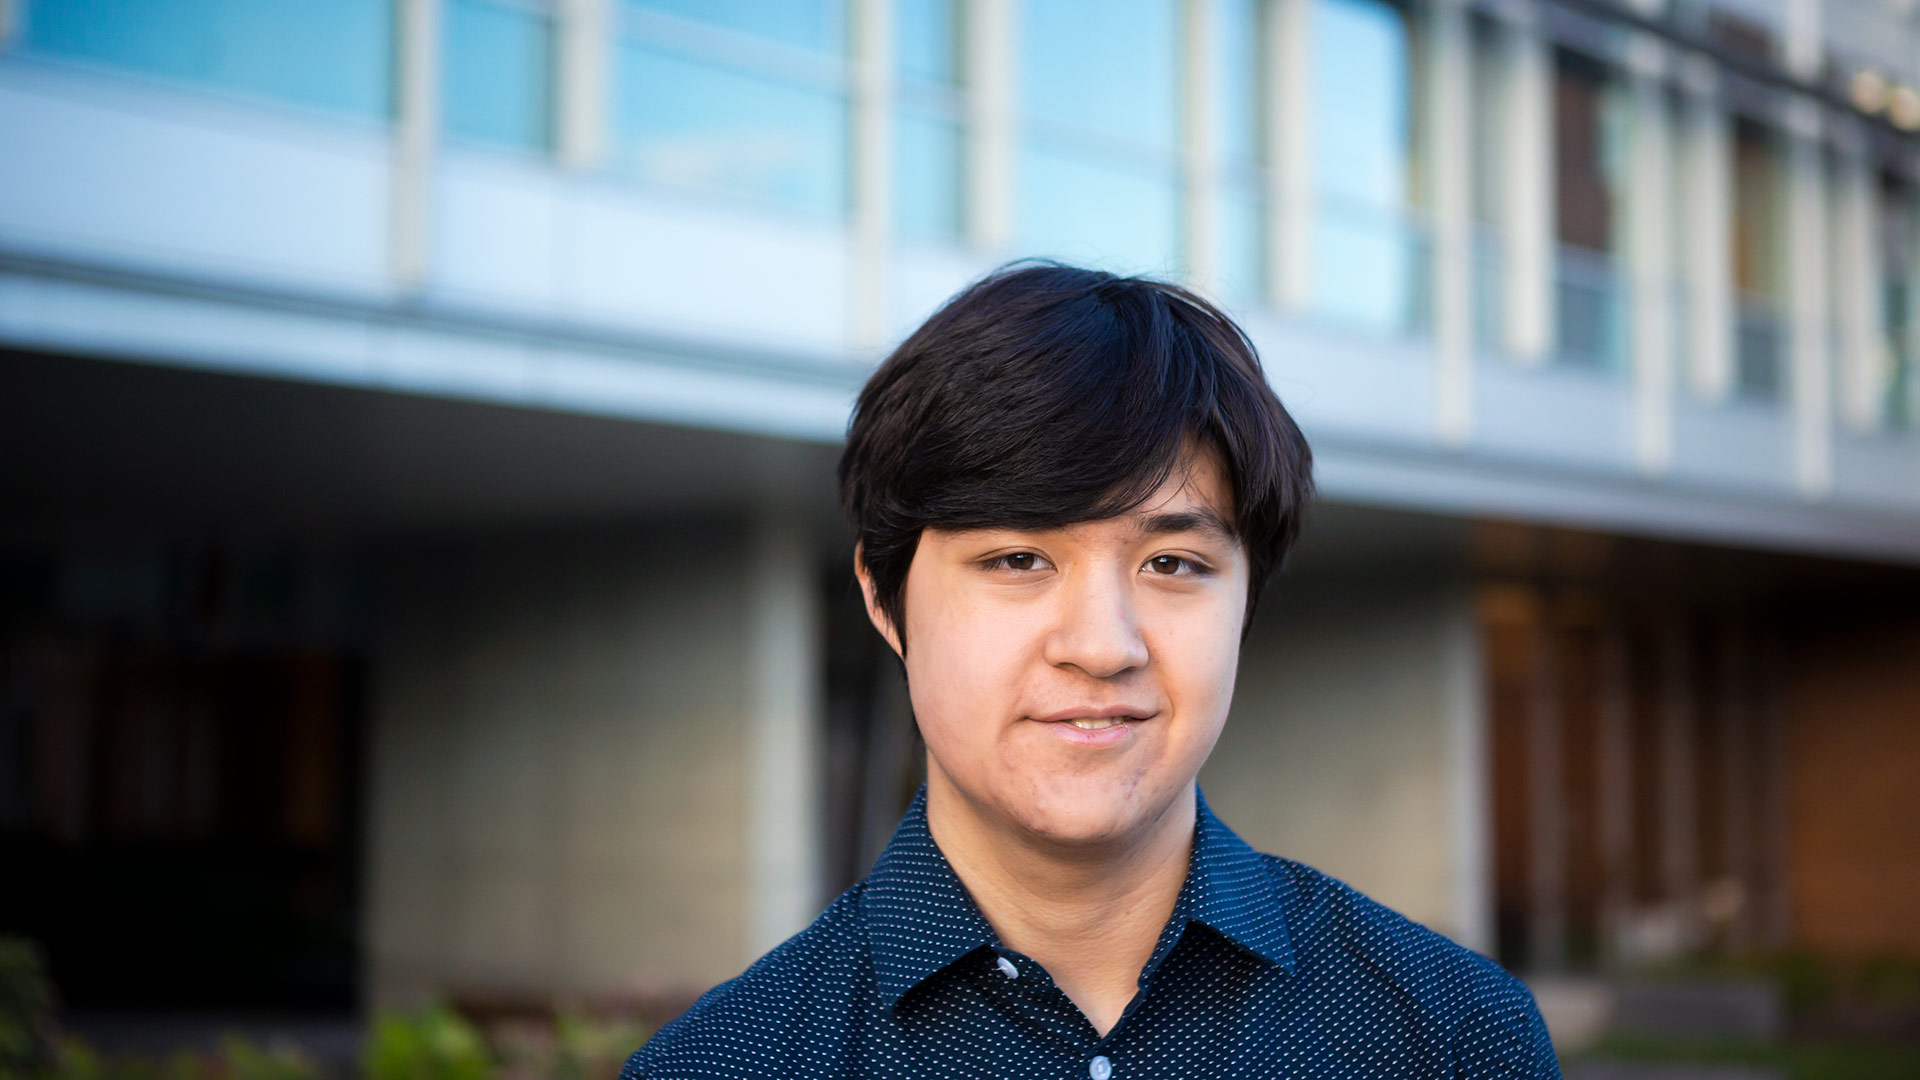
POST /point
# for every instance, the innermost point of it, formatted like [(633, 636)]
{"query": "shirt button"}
[(1007, 968), (1100, 1068)]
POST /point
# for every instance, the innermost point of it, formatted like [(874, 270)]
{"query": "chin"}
[(1081, 811)]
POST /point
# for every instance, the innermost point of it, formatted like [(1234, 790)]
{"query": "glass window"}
[(926, 175), (1088, 211), (329, 54), (1242, 216), (927, 121), (1102, 66), (1758, 274), (926, 42), (1236, 53), (1590, 145), (703, 125), (498, 70), (807, 24), (1362, 125), (1368, 269), (1098, 165)]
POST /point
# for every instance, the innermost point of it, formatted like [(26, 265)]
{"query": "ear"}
[(874, 612)]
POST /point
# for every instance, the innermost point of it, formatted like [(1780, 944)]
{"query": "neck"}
[(1089, 914)]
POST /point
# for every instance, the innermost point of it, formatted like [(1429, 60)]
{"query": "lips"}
[(1090, 718)]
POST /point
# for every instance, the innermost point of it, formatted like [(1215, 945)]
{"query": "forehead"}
[(1193, 497)]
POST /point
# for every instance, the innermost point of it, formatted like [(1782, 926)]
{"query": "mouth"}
[(1088, 726), (1098, 725)]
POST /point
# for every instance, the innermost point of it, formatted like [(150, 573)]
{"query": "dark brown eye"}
[(1166, 564), (1020, 560)]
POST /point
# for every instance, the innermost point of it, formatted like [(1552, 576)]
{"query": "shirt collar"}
[(920, 918)]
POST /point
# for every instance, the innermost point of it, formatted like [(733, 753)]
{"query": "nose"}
[(1096, 628)]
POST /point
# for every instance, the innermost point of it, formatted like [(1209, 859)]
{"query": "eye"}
[(1018, 562), (1173, 566)]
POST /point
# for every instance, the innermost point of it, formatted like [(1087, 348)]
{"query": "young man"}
[(1068, 490)]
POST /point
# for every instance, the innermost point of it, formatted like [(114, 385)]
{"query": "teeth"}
[(1096, 725)]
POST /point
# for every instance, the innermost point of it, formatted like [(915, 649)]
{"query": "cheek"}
[(964, 661)]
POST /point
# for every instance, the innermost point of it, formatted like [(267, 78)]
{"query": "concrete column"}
[(1808, 312), (584, 46), (1200, 145), (1546, 837), (1613, 761), (1465, 711), (1527, 136), (783, 735), (1448, 99), (1287, 86), (1858, 281), (416, 128), (992, 133), (1650, 275), (872, 209), (1706, 216)]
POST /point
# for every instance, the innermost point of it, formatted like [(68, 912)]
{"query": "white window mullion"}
[(584, 46), (416, 129)]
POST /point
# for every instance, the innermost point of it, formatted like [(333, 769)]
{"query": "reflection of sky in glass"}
[(925, 33), (498, 73), (1237, 79), (1105, 66), (809, 24), (698, 125), (926, 175), (1085, 211), (1242, 246), (1360, 95), (1362, 252), (332, 54)]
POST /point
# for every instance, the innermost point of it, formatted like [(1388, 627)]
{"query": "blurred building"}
[(420, 562)]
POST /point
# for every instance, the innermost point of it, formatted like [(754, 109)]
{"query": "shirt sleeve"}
[(1504, 1036)]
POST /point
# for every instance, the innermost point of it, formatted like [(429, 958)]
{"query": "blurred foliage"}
[(1850, 1060), (26, 1010), (433, 1044), (1813, 986)]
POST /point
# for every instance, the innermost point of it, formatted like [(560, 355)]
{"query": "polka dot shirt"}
[(1267, 968)]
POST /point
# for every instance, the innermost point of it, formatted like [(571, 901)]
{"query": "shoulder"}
[(1486, 1015), (789, 1014)]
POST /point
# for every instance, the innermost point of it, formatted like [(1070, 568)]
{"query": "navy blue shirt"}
[(1266, 968)]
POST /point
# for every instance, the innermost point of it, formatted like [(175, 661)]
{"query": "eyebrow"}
[(1205, 520)]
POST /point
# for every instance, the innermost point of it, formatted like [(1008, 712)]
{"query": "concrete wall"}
[(1355, 742), (558, 768)]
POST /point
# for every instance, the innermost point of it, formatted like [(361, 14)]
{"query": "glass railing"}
[(1372, 266), (1759, 349), (1489, 291), (1590, 326), (1903, 388)]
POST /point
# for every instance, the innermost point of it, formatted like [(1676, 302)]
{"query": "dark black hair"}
[(1044, 395)]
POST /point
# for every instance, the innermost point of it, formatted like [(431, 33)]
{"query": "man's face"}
[(1070, 682)]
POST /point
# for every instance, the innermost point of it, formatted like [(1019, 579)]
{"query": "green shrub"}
[(433, 1044), (26, 1007)]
